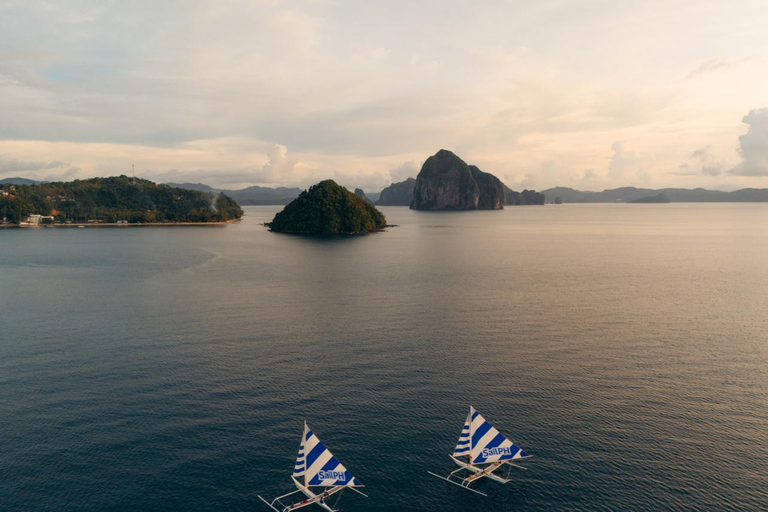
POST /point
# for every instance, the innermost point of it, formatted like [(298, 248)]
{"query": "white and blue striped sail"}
[(319, 466), (485, 443), (298, 469), (462, 446)]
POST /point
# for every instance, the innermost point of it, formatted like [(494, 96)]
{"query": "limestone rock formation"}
[(446, 182)]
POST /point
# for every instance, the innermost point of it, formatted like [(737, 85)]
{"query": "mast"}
[(469, 455)]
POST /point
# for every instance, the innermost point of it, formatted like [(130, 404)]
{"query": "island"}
[(446, 182), (328, 209), (118, 200)]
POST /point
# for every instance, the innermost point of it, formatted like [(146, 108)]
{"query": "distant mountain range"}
[(19, 181), (399, 194), (249, 195), (647, 195), (259, 195)]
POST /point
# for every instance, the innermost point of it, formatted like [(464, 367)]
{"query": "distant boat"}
[(486, 450), (319, 468)]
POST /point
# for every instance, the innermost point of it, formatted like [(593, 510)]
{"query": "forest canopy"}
[(328, 208), (114, 199)]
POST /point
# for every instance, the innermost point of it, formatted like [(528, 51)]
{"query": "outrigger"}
[(319, 468), (486, 450)]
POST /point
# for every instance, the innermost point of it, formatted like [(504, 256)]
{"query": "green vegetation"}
[(114, 199), (328, 208)]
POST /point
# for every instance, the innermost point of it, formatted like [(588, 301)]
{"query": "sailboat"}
[(481, 451), (316, 467)]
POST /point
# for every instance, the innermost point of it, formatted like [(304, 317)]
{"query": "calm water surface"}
[(171, 369)]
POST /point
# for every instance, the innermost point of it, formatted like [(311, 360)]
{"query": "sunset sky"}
[(587, 94)]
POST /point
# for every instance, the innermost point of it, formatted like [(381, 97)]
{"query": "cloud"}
[(203, 90), (623, 162), (589, 181), (367, 180), (9, 166), (403, 172), (718, 64), (753, 145), (709, 164), (279, 167), (554, 173)]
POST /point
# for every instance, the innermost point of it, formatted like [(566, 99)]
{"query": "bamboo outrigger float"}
[(486, 451), (319, 468)]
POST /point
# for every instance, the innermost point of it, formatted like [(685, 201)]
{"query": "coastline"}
[(122, 225)]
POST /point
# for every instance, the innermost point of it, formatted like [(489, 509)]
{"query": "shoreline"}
[(352, 234), (116, 225)]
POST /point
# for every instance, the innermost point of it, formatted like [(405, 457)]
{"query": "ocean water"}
[(171, 369)]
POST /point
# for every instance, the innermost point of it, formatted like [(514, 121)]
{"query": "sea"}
[(172, 368)]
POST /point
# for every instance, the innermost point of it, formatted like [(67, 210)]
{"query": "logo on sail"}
[(491, 452), (331, 475)]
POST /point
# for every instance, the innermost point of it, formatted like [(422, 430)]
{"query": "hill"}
[(248, 196), (113, 199), (19, 181), (328, 208), (264, 195), (658, 198)]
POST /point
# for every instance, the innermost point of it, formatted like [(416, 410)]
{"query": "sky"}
[(589, 94)]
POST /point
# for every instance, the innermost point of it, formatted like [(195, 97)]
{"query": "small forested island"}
[(115, 200), (328, 209)]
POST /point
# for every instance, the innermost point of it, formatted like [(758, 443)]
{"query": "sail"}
[(321, 468), (462, 446), (487, 444), (298, 469)]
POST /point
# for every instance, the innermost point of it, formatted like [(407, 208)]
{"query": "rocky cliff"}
[(446, 182), (397, 194)]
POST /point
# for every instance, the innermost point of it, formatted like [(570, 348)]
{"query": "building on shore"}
[(35, 219)]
